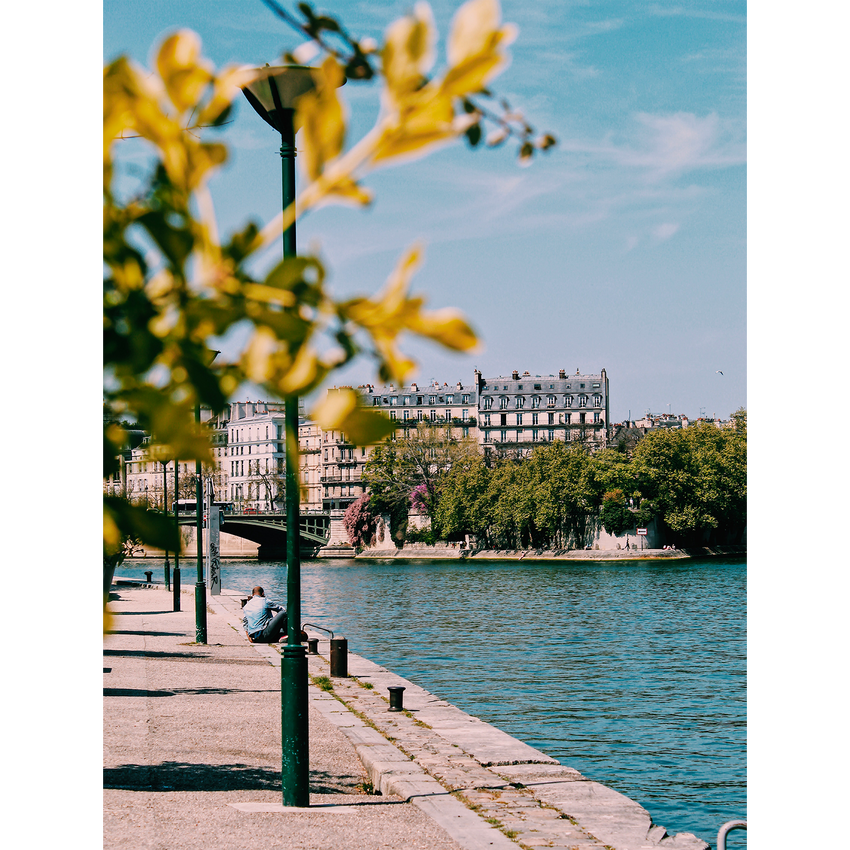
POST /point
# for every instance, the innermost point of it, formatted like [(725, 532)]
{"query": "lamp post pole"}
[(273, 95), (200, 587), (295, 749), (176, 583), (165, 514)]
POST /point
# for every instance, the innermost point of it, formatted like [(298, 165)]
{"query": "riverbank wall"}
[(446, 551)]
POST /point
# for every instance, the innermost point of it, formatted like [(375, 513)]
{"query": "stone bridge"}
[(269, 531)]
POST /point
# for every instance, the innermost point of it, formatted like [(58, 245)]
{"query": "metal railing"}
[(726, 829)]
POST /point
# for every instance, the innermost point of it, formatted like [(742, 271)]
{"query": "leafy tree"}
[(696, 481), (565, 492), (461, 505), (414, 462), (172, 287), (614, 514)]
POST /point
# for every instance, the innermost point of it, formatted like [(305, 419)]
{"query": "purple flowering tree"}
[(360, 522)]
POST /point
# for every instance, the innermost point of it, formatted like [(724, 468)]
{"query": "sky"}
[(623, 248)]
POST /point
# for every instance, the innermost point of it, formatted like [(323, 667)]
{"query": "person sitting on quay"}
[(261, 623)]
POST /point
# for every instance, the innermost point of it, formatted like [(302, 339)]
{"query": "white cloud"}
[(665, 231)]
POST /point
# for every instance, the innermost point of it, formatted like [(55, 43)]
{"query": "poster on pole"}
[(213, 552)]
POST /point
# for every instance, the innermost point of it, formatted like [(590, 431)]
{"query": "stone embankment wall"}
[(230, 546)]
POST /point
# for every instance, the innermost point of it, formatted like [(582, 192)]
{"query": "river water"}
[(632, 673)]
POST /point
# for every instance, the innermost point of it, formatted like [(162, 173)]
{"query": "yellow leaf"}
[(408, 52), (268, 294), (257, 358), (448, 327), (423, 118), (226, 86), (305, 373), (183, 72), (321, 118), (341, 410), (473, 27)]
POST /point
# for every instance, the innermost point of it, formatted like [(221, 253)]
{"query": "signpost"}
[(213, 550), (641, 533)]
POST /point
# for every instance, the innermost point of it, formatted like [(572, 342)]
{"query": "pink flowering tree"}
[(360, 522), (420, 498)]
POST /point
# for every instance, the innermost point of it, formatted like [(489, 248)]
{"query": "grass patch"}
[(323, 682)]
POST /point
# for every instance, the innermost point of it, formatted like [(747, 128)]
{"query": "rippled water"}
[(632, 673)]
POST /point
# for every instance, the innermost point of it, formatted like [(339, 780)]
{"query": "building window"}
[(406, 415), (534, 433), (504, 436), (464, 399), (582, 401), (581, 418), (597, 401), (596, 416), (465, 414), (550, 400), (433, 415), (551, 418), (432, 399), (450, 399), (448, 415), (488, 402), (534, 418), (419, 415), (406, 400), (519, 419), (568, 401), (503, 402), (535, 401), (486, 418), (520, 401), (551, 435), (376, 402)]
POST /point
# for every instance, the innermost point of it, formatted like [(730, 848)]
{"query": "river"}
[(634, 673)]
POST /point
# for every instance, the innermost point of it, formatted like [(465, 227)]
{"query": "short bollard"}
[(339, 657), (149, 575), (396, 698), (313, 646)]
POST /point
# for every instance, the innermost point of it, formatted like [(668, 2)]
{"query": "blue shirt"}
[(258, 613)]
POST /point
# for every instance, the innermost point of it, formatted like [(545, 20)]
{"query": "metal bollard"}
[(313, 646), (339, 657), (149, 575), (396, 698)]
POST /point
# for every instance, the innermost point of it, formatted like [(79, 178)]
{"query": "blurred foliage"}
[(173, 289)]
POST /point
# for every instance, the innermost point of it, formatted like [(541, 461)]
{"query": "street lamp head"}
[(275, 89)]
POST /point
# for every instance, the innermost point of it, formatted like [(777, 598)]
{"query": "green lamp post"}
[(273, 94), (200, 586)]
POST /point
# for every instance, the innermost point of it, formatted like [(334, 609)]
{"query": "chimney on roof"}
[(414, 387), (562, 373), (515, 375), (459, 385)]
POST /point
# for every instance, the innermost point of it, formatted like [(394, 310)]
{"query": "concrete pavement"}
[(192, 755)]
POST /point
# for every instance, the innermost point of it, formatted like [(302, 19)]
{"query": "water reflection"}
[(633, 674)]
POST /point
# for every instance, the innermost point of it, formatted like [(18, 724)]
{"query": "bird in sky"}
[(718, 372)]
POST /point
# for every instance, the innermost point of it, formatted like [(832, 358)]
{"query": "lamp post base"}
[(295, 751), (200, 612)]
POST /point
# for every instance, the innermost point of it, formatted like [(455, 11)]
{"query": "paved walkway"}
[(192, 755)]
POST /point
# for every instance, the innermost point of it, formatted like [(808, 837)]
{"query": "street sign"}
[(641, 532)]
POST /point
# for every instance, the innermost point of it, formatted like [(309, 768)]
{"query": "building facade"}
[(506, 416), (518, 413)]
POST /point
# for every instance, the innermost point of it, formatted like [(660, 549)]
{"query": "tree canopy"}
[(691, 481)]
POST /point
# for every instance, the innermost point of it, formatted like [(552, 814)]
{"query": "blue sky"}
[(623, 248)]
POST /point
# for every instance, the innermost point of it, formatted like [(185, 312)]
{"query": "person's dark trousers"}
[(273, 631)]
